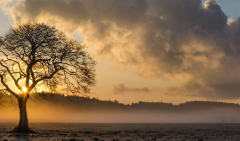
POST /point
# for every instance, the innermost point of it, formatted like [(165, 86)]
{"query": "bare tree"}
[(37, 54)]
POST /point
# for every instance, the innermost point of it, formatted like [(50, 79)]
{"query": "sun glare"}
[(24, 89)]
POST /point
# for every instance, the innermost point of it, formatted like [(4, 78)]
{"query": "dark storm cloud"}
[(161, 38), (124, 12), (121, 89)]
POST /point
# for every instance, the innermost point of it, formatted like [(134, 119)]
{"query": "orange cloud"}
[(160, 39)]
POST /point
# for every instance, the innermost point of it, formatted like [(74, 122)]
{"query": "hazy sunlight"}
[(24, 89)]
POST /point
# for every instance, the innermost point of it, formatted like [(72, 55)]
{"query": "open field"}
[(125, 132)]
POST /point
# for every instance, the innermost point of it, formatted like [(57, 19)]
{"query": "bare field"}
[(125, 132)]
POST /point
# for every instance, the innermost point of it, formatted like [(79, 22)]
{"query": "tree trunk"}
[(22, 126)]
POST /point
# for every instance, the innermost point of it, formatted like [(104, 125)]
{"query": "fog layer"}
[(60, 109)]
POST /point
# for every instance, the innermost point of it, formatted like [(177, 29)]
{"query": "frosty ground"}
[(124, 132)]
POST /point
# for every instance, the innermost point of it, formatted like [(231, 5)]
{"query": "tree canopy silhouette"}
[(36, 55)]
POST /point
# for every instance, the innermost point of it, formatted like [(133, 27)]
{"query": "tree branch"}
[(15, 81), (7, 88)]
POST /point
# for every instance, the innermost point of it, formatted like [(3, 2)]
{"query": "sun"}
[(24, 89)]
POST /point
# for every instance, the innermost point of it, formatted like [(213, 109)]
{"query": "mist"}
[(73, 109)]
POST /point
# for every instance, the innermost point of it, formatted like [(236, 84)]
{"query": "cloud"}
[(121, 89), (159, 38)]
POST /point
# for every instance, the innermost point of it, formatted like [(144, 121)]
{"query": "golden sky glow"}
[(149, 50)]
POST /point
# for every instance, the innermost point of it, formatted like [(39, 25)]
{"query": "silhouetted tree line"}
[(95, 103), (87, 103)]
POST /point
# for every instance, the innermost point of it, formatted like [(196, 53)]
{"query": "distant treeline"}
[(79, 102), (96, 104)]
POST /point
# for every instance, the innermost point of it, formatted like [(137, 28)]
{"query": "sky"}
[(148, 50)]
